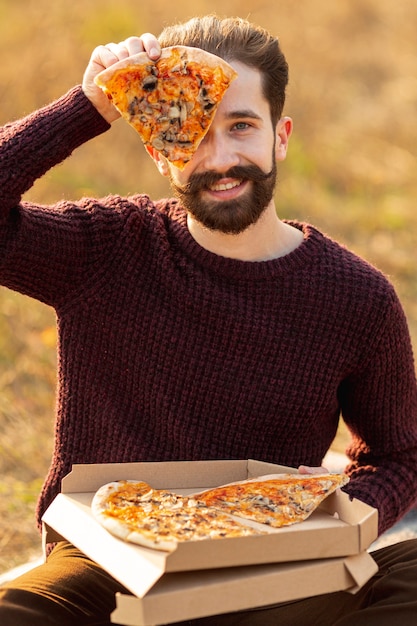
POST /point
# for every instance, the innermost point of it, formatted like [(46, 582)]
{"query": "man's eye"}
[(241, 125)]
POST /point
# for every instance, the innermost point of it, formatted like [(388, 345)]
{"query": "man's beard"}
[(229, 216)]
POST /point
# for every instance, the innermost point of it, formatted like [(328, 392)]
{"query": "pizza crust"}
[(188, 53), (338, 479)]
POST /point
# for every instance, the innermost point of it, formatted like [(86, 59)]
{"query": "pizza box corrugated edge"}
[(190, 595), (69, 516)]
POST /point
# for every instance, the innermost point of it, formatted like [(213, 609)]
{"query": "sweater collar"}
[(303, 255)]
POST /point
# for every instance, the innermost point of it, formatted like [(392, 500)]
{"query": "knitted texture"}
[(169, 352)]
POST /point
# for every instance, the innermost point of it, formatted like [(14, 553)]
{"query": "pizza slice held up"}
[(170, 102)]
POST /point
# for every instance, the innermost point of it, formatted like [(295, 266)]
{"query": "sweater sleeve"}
[(379, 404), (41, 246), (31, 146)]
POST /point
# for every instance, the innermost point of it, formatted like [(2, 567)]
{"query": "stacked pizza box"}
[(326, 552)]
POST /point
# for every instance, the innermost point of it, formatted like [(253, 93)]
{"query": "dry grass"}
[(351, 171)]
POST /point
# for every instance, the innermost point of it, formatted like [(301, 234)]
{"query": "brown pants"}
[(69, 589)]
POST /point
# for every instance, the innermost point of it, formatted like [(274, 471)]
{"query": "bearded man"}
[(205, 327)]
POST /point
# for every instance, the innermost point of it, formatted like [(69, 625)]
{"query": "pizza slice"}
[(160, 519), (279, 501), (170, 102)]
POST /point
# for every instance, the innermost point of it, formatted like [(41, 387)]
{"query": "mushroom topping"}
[(149, 83)]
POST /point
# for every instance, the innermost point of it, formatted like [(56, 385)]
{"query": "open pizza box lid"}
[(335, 537)]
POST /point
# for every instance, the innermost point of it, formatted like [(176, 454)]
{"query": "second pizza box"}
[(190, 595), (339, 528)]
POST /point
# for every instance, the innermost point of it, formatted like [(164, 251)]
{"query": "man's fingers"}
[(104, 56), (111, 53), (151, 45), (107, 55)]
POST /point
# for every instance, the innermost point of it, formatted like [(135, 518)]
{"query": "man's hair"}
[(235, 39)]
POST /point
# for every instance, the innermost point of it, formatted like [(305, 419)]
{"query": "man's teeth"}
[(225, 186)]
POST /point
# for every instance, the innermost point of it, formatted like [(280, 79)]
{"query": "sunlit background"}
[(351, 170)]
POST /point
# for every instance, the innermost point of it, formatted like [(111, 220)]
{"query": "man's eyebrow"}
[(244, 113)]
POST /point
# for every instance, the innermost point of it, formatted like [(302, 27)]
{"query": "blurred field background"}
[(351, 170)]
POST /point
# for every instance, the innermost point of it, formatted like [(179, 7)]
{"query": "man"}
[(205, 327)]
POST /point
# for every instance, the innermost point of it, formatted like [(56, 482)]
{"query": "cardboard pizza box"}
[(328, 550), (190, 595)]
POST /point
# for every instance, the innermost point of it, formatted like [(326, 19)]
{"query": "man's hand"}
[(105, 56)]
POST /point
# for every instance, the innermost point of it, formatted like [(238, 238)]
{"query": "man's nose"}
[(216, 152)]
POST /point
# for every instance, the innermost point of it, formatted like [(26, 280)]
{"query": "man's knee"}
[(68, 589), (22, 608)]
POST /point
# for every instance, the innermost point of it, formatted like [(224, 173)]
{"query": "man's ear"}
[(283, 133), (159, 160)]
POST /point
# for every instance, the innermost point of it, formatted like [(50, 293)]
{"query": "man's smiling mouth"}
[(225, 186)]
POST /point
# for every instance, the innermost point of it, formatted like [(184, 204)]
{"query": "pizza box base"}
[(190, 595), (339, 528)]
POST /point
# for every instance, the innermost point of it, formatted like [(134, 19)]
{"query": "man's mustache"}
[(205, 180)]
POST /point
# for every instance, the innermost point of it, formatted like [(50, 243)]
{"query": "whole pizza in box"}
[(160, 519)]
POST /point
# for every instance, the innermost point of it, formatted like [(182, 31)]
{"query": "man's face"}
[(231, 179)]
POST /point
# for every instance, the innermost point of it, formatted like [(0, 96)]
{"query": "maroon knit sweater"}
[(167, 351)]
